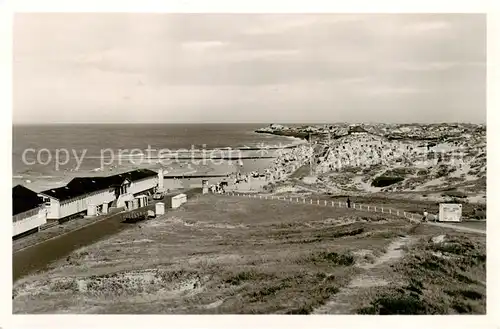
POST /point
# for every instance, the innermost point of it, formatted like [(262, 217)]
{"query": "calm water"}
[(90, 141)]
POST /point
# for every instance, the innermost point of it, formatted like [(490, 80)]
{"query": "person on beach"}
[(348, 202)]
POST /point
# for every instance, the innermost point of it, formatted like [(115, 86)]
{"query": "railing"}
[(335, 204)]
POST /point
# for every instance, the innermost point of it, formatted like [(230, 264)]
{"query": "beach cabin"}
[(178, 200), (450, 212), (82, 194), (160, 208), (28, 211), (204, 186)]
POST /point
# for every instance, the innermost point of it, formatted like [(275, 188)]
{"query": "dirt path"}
[(340, 303), (458, 227)]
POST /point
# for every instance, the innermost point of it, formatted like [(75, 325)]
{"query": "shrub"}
[(383, 181), (398, 303), (337, 259), (454, 194), (245, 276)]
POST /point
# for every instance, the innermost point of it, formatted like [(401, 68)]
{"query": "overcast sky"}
[(249, 68)]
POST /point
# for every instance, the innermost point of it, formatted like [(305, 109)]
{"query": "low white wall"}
[(35, 220)]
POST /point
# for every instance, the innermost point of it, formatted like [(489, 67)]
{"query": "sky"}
[(223, 68)]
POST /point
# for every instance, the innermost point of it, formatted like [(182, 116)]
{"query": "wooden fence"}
[(334, 204)]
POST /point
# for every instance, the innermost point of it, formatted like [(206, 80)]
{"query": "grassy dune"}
[(229, 255)]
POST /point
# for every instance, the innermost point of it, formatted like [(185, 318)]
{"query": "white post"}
[(404, 214), (375, 208), (311, 201), (325, 202), (266, 197), (317, 201), (368, 208), (332, 203), (304, 200), (398, 212), (390, 211)]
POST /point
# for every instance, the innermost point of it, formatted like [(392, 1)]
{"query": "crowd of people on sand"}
[(218, 188)]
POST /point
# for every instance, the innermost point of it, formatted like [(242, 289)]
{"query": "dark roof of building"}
[(83, 185), (357, 129), (24, 199)]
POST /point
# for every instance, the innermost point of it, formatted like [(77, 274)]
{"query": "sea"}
[(48, 156)]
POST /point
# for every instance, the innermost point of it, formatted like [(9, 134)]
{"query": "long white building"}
[(100, 193), (28, 211)]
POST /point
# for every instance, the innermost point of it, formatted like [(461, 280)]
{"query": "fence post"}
[(317, 201), (303, 200), (390, 211), (311, 201), (325, 202), (375, 209), (332, 203), (398, 213)]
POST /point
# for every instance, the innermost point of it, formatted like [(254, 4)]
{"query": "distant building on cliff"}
[(274, 126), (357, 130)]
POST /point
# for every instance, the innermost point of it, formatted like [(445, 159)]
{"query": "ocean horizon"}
[(96, 144)]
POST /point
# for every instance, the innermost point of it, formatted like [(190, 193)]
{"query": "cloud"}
[(281, 24), (426, 27), (242, 67), (202, 45), (431, 66), (392, 90)]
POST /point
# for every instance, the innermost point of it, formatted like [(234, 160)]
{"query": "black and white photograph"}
[(249, 163)]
